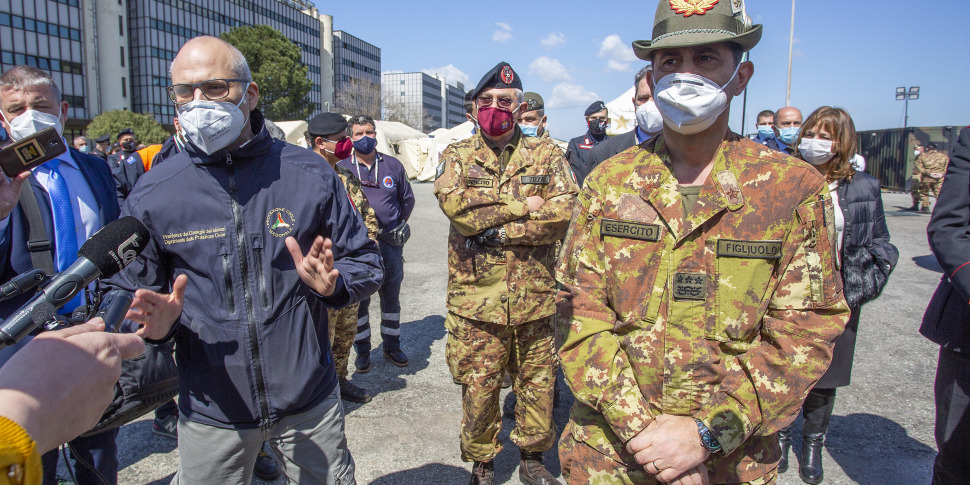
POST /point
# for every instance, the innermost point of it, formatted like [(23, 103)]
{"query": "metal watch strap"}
[(707, 437)]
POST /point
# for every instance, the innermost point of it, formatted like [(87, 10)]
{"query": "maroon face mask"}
[(494, 121), (343, 148)]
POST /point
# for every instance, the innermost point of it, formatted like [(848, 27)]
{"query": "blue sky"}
[(848, 53)]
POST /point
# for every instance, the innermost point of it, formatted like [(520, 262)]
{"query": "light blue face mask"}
[(788, 135), (84, 149), (766, 131), (529, 130)]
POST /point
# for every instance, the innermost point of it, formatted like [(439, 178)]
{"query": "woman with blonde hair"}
[(827, 140)]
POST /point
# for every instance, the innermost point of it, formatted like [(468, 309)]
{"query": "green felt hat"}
[(686, 23)]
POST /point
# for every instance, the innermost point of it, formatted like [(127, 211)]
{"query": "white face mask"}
[(815, 150), (690, 103), (30, 122), (649, 119), (211, 125)]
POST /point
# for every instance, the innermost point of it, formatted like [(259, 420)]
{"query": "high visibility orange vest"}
[(147, 154)]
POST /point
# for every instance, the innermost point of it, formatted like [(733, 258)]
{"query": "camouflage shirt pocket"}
[(744, 271), (817, 222)]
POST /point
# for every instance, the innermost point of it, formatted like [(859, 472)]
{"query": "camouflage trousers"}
[(343, 328), (929, 186), (914, 190), (583, 464), (478, 355)]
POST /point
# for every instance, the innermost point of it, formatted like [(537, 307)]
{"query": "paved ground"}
[(882, 431)]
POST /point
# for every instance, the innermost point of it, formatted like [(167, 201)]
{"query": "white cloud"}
[(450, 73), (549, 70), (393, 71), (566, 95), (553, 40), (618, 54), (503, 33)]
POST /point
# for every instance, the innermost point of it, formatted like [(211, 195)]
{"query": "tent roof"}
[(622, 114)]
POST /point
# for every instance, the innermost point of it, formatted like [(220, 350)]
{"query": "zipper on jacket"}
[(227, 271), (260, 277), (239, 222)]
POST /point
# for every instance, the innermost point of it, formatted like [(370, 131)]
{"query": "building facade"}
[(423, 101), (114, 54), (157, 28), (357, 76)]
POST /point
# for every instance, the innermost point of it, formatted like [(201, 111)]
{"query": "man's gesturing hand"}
[(669, 448), (157, 312), (316, 268)]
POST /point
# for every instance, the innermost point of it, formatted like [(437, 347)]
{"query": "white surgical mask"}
[(31, 121), (211, 125), (649, 119), (815, 150), (690, 103)]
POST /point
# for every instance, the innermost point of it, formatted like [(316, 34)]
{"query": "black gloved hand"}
[(492, 236)]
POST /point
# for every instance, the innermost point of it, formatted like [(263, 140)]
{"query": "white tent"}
[(294, 131), (622, 113)]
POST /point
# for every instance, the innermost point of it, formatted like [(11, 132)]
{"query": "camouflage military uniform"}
[(727, 315), (501, 299), (343, 322), (931, 167)]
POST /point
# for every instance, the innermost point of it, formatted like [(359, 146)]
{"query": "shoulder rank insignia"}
[(730, 187)]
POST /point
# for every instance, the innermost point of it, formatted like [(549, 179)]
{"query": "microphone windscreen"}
[(115, 245)]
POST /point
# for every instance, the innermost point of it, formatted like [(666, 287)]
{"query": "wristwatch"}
[(707, 437), (503, 236)]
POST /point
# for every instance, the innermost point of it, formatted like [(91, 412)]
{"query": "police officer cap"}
[(595, 108), (126, 131), (533, 102), (327, 124), (103, 139), (687, 23), (501, 76)]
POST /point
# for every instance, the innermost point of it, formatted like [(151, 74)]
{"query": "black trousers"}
[(952, 391)]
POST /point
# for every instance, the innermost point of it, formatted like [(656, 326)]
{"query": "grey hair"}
[(240, 67), (23, 77), (361, 120)]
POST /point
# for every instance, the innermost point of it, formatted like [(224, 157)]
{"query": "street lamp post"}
[(903, 95), (791, 48)]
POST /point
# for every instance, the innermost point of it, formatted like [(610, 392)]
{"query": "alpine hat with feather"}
[(686, 23)]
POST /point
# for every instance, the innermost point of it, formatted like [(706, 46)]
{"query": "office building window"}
[(121, 25), (124, 88), (122, 56)]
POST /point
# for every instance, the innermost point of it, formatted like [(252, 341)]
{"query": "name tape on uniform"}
[(630, 230), (749, 249), (690, 286), (478, 182), (536, 179)]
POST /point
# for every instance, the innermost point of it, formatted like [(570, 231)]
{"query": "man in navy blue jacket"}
[(30, 101), (226, 276), (947, 319)]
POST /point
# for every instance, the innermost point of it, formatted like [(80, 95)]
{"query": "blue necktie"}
[(65, 233)]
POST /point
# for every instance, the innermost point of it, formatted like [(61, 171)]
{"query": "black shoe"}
[(397, 357), (483, 473), (810, 470), (352, 393), (167, 426), (508, 408), (912, 209), (362, 362), (266, 468), (533, 472), (784, 439), (925, 210)]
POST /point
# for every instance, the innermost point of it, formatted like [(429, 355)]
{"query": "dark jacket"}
[(947, 319), (577, 153), (388, 191), (867, 255), (14, 256), (609, 147), (126, 170), (252, 343)]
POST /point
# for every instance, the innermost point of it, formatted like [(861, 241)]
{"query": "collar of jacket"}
[(257, 147)]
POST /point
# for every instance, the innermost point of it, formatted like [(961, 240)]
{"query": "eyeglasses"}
[(212, 89), (502, 102)]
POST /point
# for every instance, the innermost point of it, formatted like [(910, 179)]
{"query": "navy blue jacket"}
[(251, 344), (947, 319), (388, 192), (577, 154), (14, 256)]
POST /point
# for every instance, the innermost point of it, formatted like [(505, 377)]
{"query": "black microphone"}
[(21, 284), (107, 252)]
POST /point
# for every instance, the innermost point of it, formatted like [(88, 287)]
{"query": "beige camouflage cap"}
[(686, 23)]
